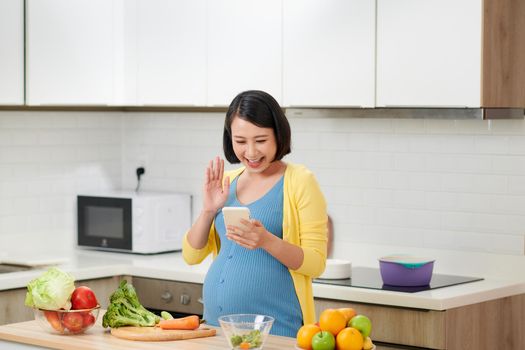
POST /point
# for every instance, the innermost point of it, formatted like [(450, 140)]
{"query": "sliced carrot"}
[(188, 322), (244, 345)]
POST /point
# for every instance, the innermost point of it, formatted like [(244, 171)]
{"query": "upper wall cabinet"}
[(306, 53), (171, 51), (428, 53), (503, 57), (70, 52), (244, 48), (328, 53), (446, 53), (11, 52)]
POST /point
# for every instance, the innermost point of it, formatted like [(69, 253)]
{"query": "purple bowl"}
[(406, 274)]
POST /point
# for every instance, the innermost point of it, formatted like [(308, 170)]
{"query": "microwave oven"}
[(143, 223)]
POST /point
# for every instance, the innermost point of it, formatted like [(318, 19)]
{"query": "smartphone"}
[(233, 215)]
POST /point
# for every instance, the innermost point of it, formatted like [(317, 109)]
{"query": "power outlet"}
[(140, 171)]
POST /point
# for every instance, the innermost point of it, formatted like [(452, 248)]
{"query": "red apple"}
[(83, 298), (73, 321), (87, 319)]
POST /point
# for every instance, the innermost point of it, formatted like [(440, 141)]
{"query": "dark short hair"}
[(261, 109)]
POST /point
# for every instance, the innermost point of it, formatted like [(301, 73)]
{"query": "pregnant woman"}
[(266, 265)]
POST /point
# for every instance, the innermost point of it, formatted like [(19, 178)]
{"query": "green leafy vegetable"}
[(51, 291), (125, 309), (254, 338), (166, 315), (236, 340)]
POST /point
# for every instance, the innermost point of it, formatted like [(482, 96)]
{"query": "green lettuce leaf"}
[(51, 291)]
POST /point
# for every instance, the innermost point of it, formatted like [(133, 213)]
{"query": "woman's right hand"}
[(214, 194)]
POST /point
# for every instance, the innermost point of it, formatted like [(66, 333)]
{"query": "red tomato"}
[(87, 319), (83, 298), (73, 321)]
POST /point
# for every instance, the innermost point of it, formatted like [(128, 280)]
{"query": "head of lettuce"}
[(51, 291)]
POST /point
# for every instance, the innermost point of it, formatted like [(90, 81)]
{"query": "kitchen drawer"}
[(494, 324), (173, 296), (414, 327), (380, 346)]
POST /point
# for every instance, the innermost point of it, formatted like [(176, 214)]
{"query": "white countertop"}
[(87, 264)]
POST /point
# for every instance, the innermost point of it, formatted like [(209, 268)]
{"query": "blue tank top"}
[(252, 281)]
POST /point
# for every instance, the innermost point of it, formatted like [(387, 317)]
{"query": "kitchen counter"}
[(87, 264), (99, 338)]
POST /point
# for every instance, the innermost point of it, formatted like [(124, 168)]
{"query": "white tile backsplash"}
[(517, 145), (411, 126), (46, 158), (509, 165), (474, 183), (491, 144), (432, 184)]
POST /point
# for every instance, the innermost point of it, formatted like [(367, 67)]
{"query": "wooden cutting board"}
[(159, 334), (97, 337)]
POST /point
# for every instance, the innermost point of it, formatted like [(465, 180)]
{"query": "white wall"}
[(422, 183), (393, 185), (46, 158)]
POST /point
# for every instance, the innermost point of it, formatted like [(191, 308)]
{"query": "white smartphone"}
[(233, 215)]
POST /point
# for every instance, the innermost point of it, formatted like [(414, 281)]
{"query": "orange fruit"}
[(305, 335), (349, 339), (348, 312), (332, 320)]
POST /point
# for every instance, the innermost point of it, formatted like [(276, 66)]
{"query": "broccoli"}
[(236, 340), (126, 310), (166, 315), (254, 338)]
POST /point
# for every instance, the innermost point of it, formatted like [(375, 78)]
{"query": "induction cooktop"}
[(368, 277)]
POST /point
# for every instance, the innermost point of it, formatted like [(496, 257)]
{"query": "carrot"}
[(188, 322), (53, 317), (244, 345)]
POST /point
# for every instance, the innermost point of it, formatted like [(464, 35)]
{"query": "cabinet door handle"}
[(166, 296), (200, 301)]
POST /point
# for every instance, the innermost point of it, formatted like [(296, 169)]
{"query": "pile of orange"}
[(337, 322)]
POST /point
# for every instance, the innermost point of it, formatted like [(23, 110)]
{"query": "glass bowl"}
[(246, 331), (66, 321)]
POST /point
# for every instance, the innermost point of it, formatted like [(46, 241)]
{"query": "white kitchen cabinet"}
[(244, 48), (11, 52), (70, 52), (429, 53), (171, 52), (329, 53)]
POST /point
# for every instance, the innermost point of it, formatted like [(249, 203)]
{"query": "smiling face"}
[(254, 146)]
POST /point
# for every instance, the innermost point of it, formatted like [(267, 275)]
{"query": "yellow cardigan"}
[(304, 224)]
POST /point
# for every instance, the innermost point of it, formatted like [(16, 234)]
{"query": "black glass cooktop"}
[(367, 277)]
